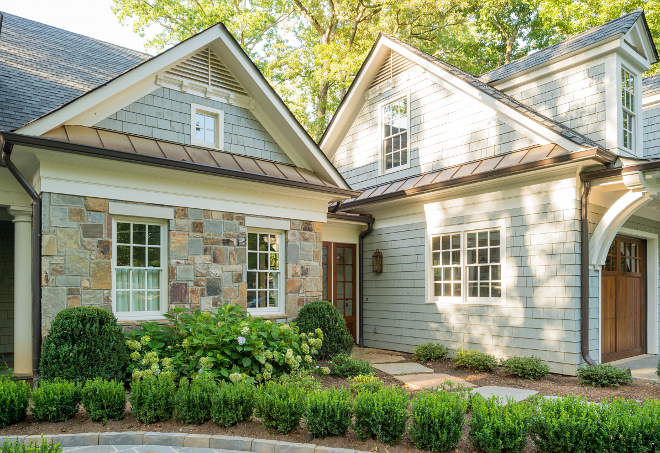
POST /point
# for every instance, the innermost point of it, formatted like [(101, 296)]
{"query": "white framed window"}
[(207, 128), (265, 273), (628, 109), (466, 264), (139, 284), (395, 134)]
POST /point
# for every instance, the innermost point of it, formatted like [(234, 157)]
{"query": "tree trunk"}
[(321, 108)]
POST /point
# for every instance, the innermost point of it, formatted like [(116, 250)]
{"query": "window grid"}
[(484, 271), (205, 126), (395, 134), (263, 271), (628, 110), (138, 267), (446, 250)]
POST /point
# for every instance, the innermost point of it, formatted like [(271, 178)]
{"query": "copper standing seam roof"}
[(532, 158), (235, 165)]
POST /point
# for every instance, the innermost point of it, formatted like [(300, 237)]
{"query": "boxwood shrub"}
[(366, 383), (532, 368), (104, 400), (474, 359), (499, 428), (84, 343), (232, 403), (382, 414), (280, 406), (56, 400), (192, 403), (13, 401), (437, 420), (329, 412), (430, 351), (344, 365), (152, 397), (603, 375), (323, 315)]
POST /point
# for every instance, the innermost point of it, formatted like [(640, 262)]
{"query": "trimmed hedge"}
[(437, 420), (104, 400), (55, 401), (152, 398), (603, 375), (532, 368), (382, 414), (84, 343), (323, 315), (14, 398)]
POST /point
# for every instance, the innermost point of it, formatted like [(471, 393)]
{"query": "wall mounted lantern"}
[(377, 262)]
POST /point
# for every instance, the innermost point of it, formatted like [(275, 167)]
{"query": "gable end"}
[(393, 65)]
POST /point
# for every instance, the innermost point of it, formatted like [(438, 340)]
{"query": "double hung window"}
[(139, 260), (466, 266), (394, 134), (628, 108), (264, 275)]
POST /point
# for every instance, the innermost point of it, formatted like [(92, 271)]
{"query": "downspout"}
[(6, 149), (365, 233), (584, 274)]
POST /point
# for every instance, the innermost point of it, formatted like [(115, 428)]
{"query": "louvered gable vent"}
[(206, 68), (394, 65)]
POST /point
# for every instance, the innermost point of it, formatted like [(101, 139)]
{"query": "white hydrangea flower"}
[(235, 377), (241, 340), (145, 340), (245, 331)]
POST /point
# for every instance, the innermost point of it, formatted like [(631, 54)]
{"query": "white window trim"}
[(381, 150), (463, 229), (219, 130), (164, 281), (623, 108), (281, 309)]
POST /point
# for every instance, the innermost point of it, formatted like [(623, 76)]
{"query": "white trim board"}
[(140, 210)]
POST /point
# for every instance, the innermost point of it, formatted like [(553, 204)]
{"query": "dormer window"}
[(628, 107), (394, 134), (207, 127)]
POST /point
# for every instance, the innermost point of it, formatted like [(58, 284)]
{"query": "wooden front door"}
[(623, 299), (339, 280)]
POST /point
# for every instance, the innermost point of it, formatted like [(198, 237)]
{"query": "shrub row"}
[(32, 447)]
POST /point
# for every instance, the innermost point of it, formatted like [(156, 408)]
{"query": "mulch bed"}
[(552, 385)]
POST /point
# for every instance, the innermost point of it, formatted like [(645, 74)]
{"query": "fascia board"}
[(121, 91), (632, 58), (576, 58), (651, 101), (280, 117), (350, 108), (540, 132)]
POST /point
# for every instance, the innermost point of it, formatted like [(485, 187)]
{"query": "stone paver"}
[(425, 381), (641, 366), (402, 368), (380, 358), (504, 392), (143, 449)]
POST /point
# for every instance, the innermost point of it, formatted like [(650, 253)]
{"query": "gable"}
[(394, 65)]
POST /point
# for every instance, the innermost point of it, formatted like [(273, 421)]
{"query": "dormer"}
[(591, 82)]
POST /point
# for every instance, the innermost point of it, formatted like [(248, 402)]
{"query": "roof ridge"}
[(42, 24)]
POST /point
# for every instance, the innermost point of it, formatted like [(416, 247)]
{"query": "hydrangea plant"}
[(229, 345)]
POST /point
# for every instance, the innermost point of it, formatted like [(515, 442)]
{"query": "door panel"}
[(623, 300), (339, 280)]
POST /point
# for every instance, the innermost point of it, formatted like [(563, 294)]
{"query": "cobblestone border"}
[(178, 440)]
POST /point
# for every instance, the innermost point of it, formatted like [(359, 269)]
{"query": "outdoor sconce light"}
[(377, 262)]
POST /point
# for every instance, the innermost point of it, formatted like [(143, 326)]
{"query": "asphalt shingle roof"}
[(529, 112), (651, 85), (620, 25), (43, 67)]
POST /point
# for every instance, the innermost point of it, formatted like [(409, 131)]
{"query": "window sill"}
[(126, 320), (394, 170), (267, 315), (447, 302)]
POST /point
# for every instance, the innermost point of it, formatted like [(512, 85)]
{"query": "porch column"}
[(22, 289)]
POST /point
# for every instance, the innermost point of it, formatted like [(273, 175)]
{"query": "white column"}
[(22, 289)]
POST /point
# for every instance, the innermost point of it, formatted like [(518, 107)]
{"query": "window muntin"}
[(484, 271), (264, 271), (138, 272), (628, 108), (446, 263), (205, 127), (467, 266), (395, 134)]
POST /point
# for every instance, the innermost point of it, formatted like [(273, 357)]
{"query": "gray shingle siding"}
[(541, 315), (165, 115), (44, 67), (651, 137)]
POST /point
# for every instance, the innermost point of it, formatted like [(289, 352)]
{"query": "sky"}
[(92, 18)]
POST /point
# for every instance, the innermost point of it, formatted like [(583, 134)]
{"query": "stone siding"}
[(165, 115), (207, 255), (6, 288), (541, 315)]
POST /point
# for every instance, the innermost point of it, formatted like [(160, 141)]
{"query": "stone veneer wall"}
[(207, 258), (6, 288)]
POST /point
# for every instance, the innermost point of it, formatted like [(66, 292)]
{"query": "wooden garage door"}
[(623, 299)]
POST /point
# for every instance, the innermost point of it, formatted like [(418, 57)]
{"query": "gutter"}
[(6, 149), (365, 233), (584, 274)]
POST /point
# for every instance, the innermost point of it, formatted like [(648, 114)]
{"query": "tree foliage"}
[(311, 50)]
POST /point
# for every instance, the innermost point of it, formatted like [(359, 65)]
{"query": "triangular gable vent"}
[(206, 68), (394, 65)]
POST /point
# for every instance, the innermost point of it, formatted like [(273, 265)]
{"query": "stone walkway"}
[(641, 366), (143, 449)]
